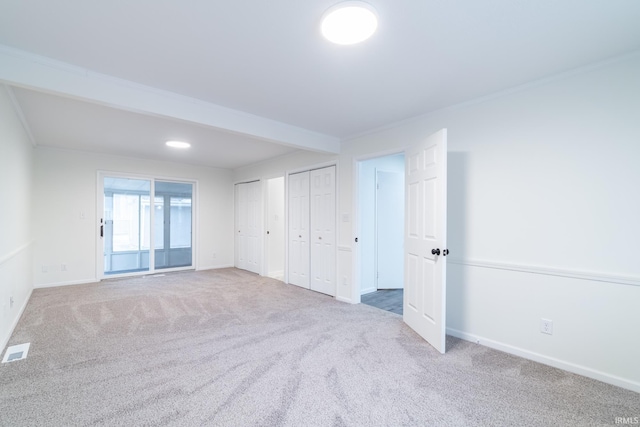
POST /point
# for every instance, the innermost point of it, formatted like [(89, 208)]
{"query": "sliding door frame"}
[(101, 174)]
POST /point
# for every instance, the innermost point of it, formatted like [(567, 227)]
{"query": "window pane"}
[(126, 224), (175, 200), (180, 223)]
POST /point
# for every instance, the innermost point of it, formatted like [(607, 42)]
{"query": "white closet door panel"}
[(323, 230), (253, 226), (248, 226), (241, 226), (299, 229)]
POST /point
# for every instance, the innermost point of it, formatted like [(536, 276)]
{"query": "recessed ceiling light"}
[(178, 144), (349, 22)]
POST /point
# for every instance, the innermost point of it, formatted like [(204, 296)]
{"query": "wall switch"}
[(546, 326)]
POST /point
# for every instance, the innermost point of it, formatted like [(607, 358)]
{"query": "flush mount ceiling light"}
[(178, 144), (349, 22)]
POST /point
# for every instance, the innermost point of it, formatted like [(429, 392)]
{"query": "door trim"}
[(356, 297)]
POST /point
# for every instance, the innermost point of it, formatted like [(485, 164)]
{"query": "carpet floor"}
[(229, 348)]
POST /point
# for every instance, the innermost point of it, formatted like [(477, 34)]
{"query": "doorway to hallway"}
[(381, 223)]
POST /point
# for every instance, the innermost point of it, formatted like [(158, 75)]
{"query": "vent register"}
[(16, 352)]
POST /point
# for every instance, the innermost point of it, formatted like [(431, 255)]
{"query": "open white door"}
[(426, 239)]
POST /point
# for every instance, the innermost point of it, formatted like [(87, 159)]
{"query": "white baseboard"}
[(214, 267), (5, 340), (344, 299), (546, 360), (278, 275), (66, 283), (367, 291)]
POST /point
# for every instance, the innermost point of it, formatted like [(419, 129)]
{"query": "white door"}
[(241, 226), (254, 220), (299, 229), (389, 230), (275, 244), (248, 226), (426, 239), (323, 230)]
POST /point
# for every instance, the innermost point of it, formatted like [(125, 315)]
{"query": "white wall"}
[(543, 180), (543, 218), (281, 165), (16, 162), (65, 224)]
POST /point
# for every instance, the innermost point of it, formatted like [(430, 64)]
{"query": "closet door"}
[(254, 219), (323, 230), (248, 226), (299, 229), (241, 226)]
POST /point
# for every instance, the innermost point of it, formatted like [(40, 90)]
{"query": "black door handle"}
[(102, 231), (445, 252), (435, 251)]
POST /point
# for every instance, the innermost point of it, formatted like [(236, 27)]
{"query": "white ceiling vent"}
[(16, 352)]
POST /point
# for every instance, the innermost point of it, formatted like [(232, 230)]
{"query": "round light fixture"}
[(349, 22), (178, 144)]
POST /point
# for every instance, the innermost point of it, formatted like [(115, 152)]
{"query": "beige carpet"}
[(230, 348)]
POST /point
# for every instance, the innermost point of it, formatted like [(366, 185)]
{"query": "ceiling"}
[(245, 81)]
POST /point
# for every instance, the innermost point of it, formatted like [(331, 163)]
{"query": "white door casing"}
[(323, 230), (298, 265), (424, 308)]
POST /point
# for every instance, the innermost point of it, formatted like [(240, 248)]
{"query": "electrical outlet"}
[(546, 326), (63, 267), (215, 255), (44, 269)]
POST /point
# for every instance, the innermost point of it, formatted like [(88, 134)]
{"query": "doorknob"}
[(435, 251), (319, 237), (300, 236), (445, 252)]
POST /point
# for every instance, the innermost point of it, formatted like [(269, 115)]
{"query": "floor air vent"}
[(16, 352)]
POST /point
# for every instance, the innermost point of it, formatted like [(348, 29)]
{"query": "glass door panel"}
[(126, 225), (173, 233)]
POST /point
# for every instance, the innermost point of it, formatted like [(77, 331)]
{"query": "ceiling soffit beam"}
[(23, 69)]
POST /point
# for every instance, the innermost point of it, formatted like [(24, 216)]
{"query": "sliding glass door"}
[(131, 225), (173, 243)]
